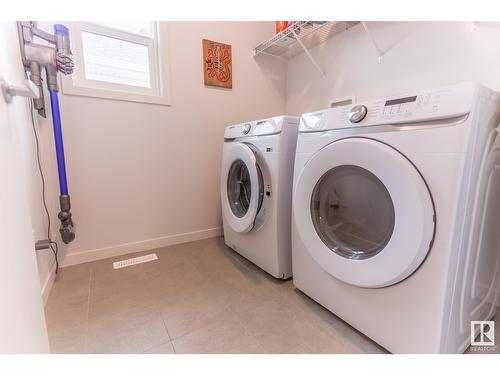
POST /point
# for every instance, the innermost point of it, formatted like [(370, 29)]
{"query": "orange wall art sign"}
[(217, 64)]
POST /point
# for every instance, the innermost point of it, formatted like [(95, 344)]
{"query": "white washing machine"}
[(396, 215), (256, 191)]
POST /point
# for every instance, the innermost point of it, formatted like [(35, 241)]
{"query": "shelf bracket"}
[(374, 42), (307, 52)]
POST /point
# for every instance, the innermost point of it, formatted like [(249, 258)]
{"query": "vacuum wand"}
[(55, 58), (66, 229)]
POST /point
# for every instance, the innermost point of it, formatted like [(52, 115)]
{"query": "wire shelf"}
[(301, 36)]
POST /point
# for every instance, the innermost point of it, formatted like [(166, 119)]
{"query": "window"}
[(118, 60)]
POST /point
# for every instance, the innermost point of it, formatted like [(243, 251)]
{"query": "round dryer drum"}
[(242, 198), (364, 212)]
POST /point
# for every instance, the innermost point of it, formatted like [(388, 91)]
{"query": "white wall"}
[(45, 260), (142, 176), (22, 323), (419, 55)]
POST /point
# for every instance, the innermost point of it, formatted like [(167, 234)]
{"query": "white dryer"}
[(256, 191), (396, 216)]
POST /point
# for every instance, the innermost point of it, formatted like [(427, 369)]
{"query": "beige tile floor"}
[(199, 297)]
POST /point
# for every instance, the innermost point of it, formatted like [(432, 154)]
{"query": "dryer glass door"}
[(239, 188), (364, 212), (242, 187), (352, 212)]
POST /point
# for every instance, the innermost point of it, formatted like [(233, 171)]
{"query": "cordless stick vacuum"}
[(55, 57)]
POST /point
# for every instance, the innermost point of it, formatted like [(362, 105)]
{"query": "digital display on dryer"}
[(408, 99)]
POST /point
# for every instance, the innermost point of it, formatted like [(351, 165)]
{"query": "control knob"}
[(357, 113)]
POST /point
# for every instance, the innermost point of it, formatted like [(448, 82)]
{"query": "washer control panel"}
[(404, 107), (268, 126), (400, 109), (448, 102)]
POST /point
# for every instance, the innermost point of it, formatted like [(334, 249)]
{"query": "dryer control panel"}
[(448, 102), (406, 107), (268, 126)]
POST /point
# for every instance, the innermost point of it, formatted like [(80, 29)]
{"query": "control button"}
[(395, 109), (246, 128), (357, 113)]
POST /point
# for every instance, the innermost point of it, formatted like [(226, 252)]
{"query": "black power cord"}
[(55, 250)]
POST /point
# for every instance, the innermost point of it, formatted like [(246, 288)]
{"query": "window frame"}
[(159, 92)]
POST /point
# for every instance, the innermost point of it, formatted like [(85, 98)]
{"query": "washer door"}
[(241, 187), (364, 212)]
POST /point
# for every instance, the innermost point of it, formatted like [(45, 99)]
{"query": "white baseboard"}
[(134, 247), (48, 283)]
